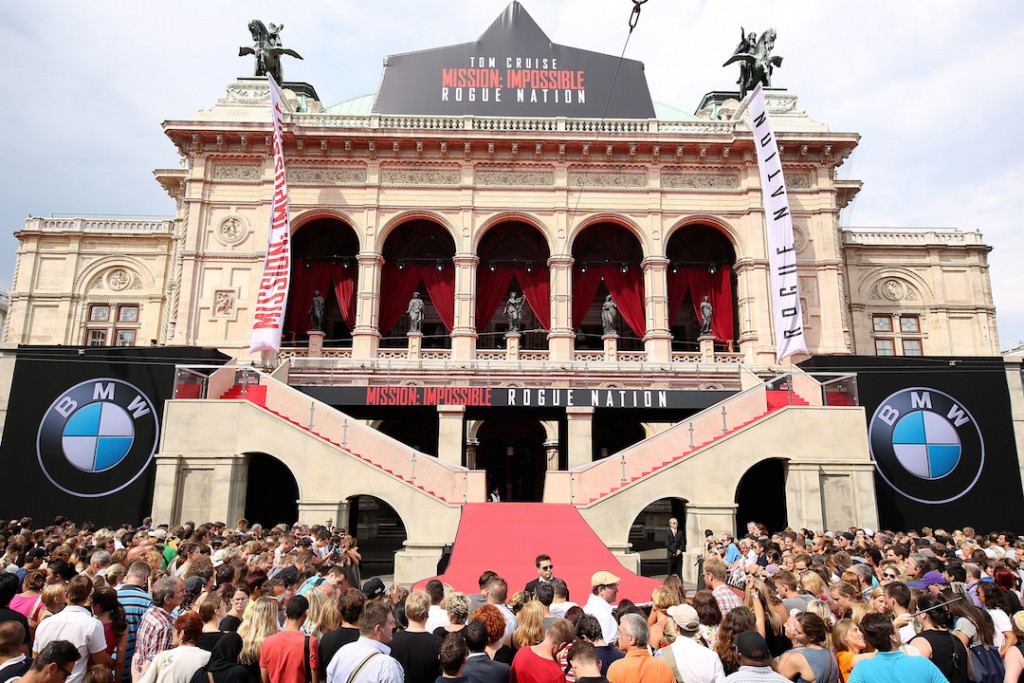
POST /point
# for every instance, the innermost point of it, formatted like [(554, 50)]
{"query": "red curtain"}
[(304, 281), (344, 278), (536, 286), (627, 290), (441, 288), (490, 289), (719, 288), (396, 288), (584, 287), (678, 286)]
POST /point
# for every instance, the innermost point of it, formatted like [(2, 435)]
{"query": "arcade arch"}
[(649, 530), (380, 531), (271, 491), (761, 495), (513, 453), (701, 260)]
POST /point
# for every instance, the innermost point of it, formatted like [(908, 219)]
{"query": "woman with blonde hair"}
[(662, 598), (816, 586), (879, 601), (847, 643), (258, 625), (456, 606), (313, 625), (821, 608), (531, 625), (55, 597)]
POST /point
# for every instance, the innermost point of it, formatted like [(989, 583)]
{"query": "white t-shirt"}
[(1002, 623), (77, 625)]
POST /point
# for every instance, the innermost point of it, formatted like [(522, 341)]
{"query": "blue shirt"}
[(732, 553), (896, 667)]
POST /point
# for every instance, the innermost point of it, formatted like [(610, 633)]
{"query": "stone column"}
[(561, 336), (658, 340), (804, 504), (707, 347), (464, 333), (450, 433), (551, 452), (319, 511), (512, 340), (316, 344), (471, 447), (227, 490), (365, 335), (415, 344), (748, 278), (581, 435)]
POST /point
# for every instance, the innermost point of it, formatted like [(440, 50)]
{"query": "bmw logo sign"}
[(97, 437), (926, 445)]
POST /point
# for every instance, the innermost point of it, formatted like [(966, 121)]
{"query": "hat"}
[(194, 584), (829, 534), (685, 617), (374, 588), (603, 579), (868, 532), (751, 645), (158, 533), (932, 578), (848, 536)]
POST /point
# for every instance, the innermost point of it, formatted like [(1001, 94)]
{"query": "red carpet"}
[(506, 537)]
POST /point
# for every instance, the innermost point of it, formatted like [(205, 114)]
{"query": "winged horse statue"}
[(756, 60), (267, 49)]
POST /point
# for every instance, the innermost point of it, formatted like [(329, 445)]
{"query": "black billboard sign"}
[(940, 431), (516, 397), (513, 69), (82, 427)]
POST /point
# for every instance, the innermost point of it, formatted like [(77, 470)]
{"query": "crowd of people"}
[(211, 604)]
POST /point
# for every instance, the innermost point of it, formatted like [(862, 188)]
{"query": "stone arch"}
[(614, 218), (262, 469), (135, 265), (319, 212), (507, 217), (406, 216), (707, 479), (722, 225), (905, 276)]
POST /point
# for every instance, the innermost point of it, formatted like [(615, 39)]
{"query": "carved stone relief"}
[(236, 172), (232, 229), (420, 176), (579, 178), (224, 303), (799, 238), (326, 176), (501, 176), (119, 279), (894, 289), (700, 181), (798, 181)]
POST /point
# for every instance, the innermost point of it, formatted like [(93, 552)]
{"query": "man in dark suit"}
[(674, 548), (545, 573), (479, 667)]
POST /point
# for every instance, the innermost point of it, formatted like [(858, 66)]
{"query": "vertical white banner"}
[(785, 295), (273, 290)]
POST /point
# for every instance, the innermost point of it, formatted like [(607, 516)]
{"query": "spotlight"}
[(583, 267), (492, 267), (401, 264), (440, 265), (529, 266), (712, 268), (624, 268)]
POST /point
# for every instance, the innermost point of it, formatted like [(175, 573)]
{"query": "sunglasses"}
[(547, 568), (889, 576)]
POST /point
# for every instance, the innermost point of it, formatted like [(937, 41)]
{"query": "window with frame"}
[(112, 324), (897, 334)]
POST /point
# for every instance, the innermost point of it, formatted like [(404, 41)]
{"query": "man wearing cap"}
[(638, 666), (604, 588), (691, 661), (755, 661), (933, 582), (889, 665)]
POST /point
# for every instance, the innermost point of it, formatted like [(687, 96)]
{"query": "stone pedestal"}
[(512, 345), (415, 344), (316, 344), (611, 347), (581, 435), (450, 433), (707, 347)]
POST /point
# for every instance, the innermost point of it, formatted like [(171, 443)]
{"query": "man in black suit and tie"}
[(479, 667), (545, 571), (674, 548)]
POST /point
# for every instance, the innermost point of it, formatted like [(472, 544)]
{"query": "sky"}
[(927, 84)]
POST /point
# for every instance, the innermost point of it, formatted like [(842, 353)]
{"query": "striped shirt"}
[(135, 600)]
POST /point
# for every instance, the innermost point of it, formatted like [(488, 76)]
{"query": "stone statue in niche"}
[(316, 312), (514, 311), (415, 312), (707, 313), (609, 316)]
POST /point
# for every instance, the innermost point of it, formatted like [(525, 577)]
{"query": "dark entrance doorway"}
[(512, 453), (649, 531), (761, 496), (380, 532), (271, 492)]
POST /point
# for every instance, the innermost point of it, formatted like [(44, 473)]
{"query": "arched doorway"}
[(380, 532), (761, 496), (606, 266), (418, 260), (613, 433), (701, 261), (271, 492), (513, 260), (512, 452), (323, 260), (649, 533)]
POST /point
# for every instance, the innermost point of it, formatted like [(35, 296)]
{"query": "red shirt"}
[(281, 655), (529, 667)]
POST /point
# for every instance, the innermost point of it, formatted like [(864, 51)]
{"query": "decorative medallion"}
[(119, 279), (232, 229)]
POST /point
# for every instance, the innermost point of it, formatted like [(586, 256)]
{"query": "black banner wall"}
[(941, 435), (513, 69), (82, 427)]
